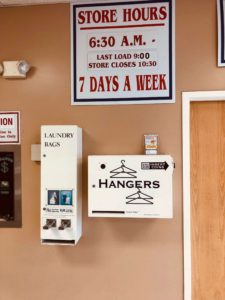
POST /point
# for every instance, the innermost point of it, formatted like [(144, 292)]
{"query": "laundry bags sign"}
[(123, 52), (138, 186)]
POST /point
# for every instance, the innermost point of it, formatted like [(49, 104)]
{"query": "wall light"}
[(15, 69), (23, 67)]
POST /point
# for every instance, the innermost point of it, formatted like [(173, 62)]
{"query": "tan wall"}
[(115, 259)]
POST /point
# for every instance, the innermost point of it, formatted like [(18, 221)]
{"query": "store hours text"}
[(110, 41)]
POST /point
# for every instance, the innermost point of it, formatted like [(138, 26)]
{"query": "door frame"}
[(187, 98)]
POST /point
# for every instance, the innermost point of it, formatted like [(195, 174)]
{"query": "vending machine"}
[(135, 186), (61, 191)]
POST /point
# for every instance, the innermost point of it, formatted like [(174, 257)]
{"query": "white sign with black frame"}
[(221, 32)]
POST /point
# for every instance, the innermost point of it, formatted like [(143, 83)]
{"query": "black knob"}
[(64, 224), (50, 223)]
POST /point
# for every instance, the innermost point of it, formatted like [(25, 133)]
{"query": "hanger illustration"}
[(139, 198), (123, 172)]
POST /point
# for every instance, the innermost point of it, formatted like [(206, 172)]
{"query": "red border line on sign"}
[(126, 26)]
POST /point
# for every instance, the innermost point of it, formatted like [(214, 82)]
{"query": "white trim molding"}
[(187, 98)]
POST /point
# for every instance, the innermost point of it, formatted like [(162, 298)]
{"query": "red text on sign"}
[(151, 82), (104, 84), (97, 16), (144, 14), (128, 15), (6, 121)]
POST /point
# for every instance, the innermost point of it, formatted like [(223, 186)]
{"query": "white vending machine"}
[(135, 186), (61, 190)]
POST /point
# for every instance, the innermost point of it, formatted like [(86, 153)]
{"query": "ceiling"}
[(29, 2), (4, 3)]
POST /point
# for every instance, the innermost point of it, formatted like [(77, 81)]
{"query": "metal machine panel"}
[(10, 186), (7, 185)]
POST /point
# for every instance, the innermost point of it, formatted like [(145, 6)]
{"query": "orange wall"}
[(115, 259)]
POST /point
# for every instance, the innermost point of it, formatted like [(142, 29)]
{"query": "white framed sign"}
[(9, 127), (130, 186), (123, 52), (221, 32)]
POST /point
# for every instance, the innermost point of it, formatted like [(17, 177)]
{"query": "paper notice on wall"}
[(123, 53), (9, 127)]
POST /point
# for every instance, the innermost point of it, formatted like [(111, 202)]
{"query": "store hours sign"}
[(123, 53)]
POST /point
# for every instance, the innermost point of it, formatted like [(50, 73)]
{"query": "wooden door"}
[(208, 200)]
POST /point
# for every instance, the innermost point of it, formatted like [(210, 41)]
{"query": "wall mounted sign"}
[(221, 32), (9, 127), (136, 186), (123, 53)]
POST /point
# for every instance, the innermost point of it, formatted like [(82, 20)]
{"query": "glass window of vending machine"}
[(10, 186)]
